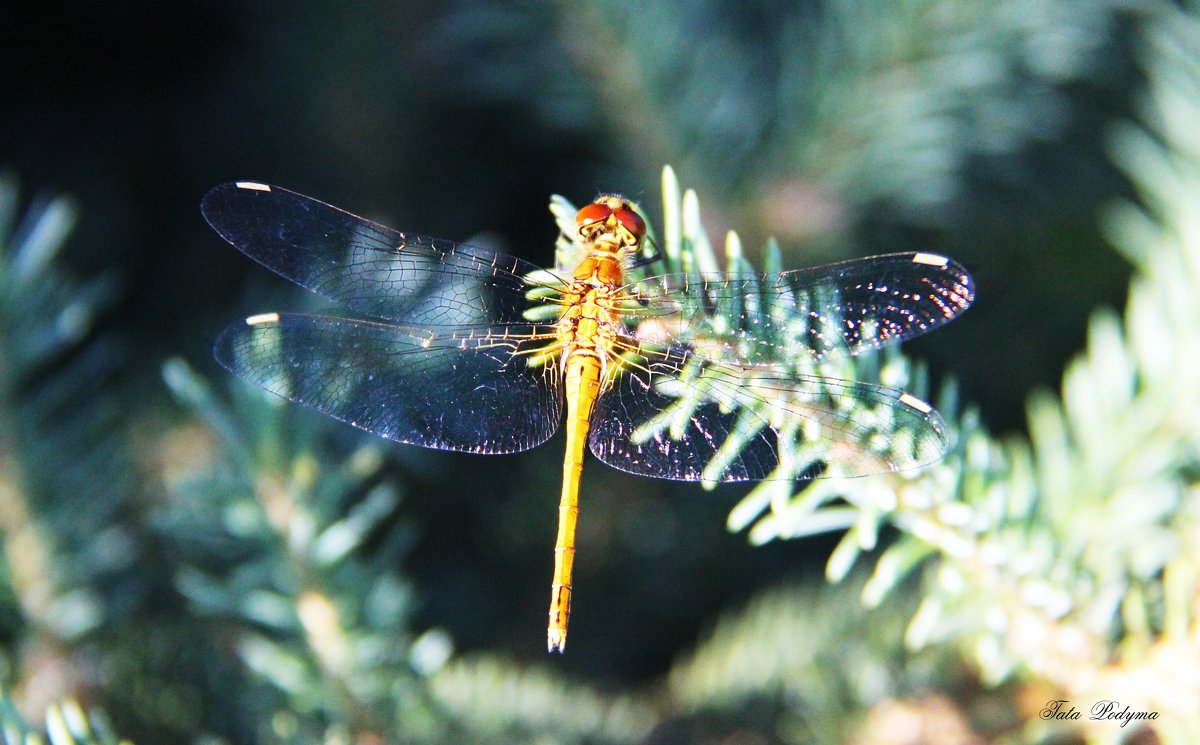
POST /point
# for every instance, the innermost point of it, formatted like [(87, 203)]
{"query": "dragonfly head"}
[(610, 220)]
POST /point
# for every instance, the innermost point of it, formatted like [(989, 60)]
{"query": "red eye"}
[(632, 222), (594, 212)]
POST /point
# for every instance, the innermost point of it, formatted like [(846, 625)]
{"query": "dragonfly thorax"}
[(591, 315), (591, 321), (600, 268)]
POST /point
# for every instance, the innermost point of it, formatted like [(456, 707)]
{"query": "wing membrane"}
[(677, 415), (824, 311), (472, 391), (718, 376), (369, 268)]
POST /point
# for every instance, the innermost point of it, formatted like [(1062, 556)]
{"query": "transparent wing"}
[(824, 311), (369, 268), (479, 391), (677, 415)]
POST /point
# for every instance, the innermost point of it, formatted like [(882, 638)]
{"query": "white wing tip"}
[(252, 185), (930, 259), (915, 403), (261, 318)]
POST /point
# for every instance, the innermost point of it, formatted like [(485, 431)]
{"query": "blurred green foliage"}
[(208, 565)]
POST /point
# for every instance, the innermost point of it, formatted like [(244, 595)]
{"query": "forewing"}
[(676, 415), (366, 267), (837, 309), (479, 392)]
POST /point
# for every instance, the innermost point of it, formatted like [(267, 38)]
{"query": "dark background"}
[(460, 119)]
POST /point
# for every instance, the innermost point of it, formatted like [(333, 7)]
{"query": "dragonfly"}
[(677, 376)]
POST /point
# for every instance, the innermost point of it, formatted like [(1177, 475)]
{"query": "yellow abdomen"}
[(585, 369)]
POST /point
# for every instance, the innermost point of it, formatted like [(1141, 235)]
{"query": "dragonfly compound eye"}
[(632, 221), (595, 212)]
